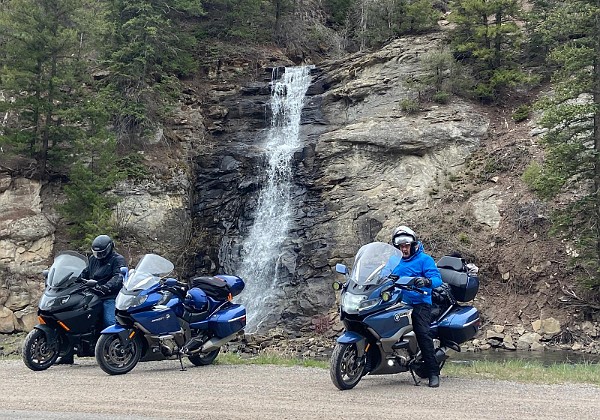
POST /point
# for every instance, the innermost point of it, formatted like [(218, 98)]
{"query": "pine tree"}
[(41, 72), (487, 37), (571, 170), (145, 51)]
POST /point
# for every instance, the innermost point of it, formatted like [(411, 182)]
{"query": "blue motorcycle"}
[(378, 337), (159, 318)]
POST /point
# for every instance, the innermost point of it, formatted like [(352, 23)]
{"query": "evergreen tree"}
[(572, 115), (488, 38), (146, 50), (42, 73), (370, 23)]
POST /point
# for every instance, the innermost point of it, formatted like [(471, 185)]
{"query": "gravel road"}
[(228, 392)]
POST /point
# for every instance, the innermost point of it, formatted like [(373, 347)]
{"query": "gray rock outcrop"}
[(365, 167)]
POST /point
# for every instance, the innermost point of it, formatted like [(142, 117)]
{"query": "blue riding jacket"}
[(419, 264)]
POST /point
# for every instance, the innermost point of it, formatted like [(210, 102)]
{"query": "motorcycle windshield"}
[(374, 262), (67, 266), (148, 272)]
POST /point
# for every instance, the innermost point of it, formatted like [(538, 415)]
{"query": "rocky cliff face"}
[(366, 166), (450, 171)]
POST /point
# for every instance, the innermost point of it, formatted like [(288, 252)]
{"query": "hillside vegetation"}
[(85, 85)]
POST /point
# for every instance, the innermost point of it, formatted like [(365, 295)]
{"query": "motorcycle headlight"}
[(126, 301), (356, 303), (46, 303), (351, 302), (368, 304)]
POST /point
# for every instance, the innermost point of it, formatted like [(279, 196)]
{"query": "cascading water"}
[(261, 250)]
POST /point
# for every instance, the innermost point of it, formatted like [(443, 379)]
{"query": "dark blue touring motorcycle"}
[(378, 337), (160, 318)]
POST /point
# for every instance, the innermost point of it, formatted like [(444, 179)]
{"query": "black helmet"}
[(405, 235), (102, 246)]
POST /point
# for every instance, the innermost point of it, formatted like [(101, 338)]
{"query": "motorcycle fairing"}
[(160, 320)]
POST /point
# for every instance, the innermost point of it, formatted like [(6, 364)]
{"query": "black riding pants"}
[(421, 320)]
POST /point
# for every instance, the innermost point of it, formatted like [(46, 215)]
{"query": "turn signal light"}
[(337, 285), (386, 296), (62, 324)]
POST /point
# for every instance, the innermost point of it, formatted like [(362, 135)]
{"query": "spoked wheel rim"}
[(117, 355), (114, 357), (38, 353), (350, 367), (346, 366)]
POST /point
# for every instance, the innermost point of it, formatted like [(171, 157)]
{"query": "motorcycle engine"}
[(402, 356), (167, 346)]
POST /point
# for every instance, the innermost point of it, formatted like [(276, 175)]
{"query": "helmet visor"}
[(101, 253), (403, 240)]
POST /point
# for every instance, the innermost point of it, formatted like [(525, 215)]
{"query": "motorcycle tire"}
[(37, 353), (204, 359), (113, 358), (346, 368)]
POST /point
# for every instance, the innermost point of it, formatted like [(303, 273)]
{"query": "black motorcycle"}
[(69, 314)]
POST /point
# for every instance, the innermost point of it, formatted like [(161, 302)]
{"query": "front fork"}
[(125, 334), (362, 345)]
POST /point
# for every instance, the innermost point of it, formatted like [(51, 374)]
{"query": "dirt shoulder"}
[(162, 390)]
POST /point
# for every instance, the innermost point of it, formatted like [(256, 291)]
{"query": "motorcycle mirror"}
[(90, 283), (170, 282), (341, 268), (45, 273)]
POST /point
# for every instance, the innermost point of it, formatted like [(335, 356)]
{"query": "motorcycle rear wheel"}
[(346, 368), (38, 354), (115, 359), (204, 359)]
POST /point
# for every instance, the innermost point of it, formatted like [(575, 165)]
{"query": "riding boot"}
[(434, 381), (65, 360)]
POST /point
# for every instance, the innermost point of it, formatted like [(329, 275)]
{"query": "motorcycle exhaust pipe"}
[(216, 342)]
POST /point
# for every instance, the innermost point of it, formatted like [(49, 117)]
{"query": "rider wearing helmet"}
[(104, 266), (416, 263)]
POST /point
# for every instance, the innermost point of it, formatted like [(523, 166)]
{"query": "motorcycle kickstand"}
[(412, 372), (183, 369), (414, 378)]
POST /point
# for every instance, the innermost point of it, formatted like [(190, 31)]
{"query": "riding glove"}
[(102, 290), (422, 282)]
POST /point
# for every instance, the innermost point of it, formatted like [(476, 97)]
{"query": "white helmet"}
[(405, 235)]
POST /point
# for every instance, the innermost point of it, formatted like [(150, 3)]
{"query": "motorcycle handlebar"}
[(410, 287)]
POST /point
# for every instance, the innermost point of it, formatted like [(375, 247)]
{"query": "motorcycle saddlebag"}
[(228, 321), (464, 286), (460, 325), (214, 287)]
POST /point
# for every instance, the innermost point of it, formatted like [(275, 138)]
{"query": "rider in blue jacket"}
[(416, 263)]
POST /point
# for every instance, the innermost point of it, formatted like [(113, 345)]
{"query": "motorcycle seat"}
[(453, 263)]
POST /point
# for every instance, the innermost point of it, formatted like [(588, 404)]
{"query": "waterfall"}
[(261, 250)]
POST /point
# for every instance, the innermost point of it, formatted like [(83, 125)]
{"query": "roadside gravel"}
[(162, 390)]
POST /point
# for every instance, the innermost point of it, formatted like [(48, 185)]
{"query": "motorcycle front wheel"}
[(346, 367), (38, 353), (114, 358), (204, 359)]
